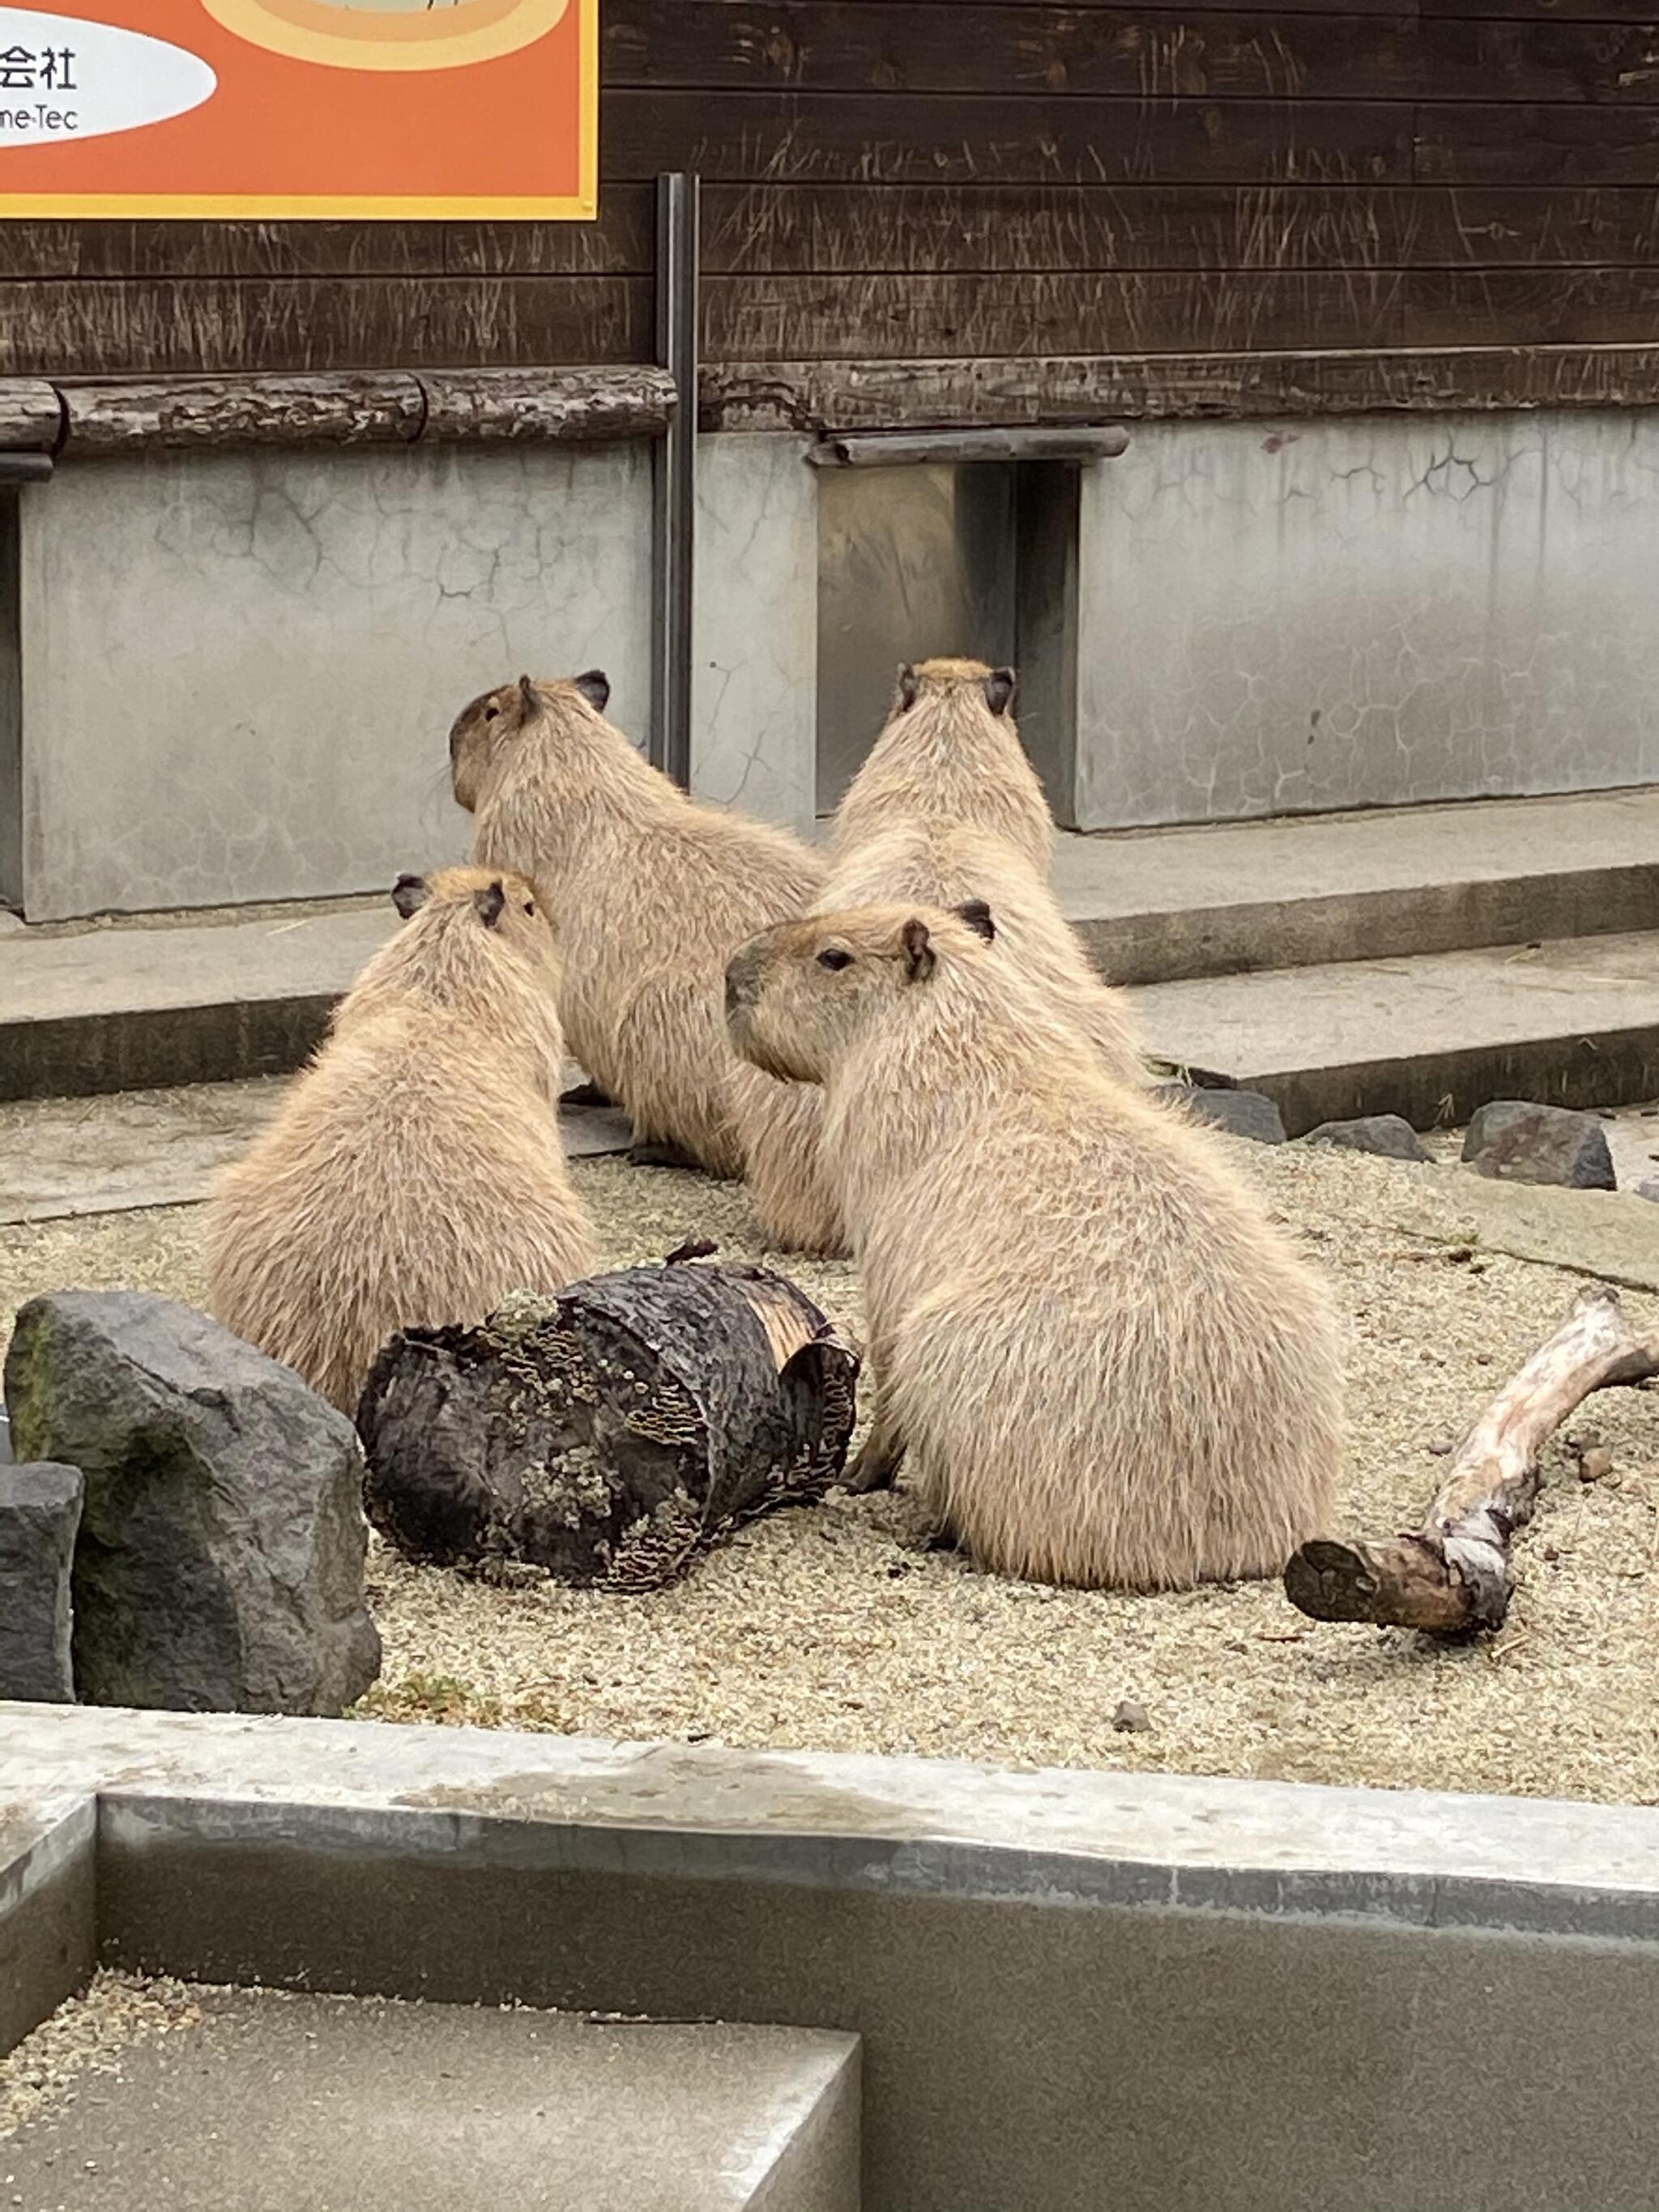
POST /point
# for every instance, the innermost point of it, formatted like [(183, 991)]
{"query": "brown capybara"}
[(947, 809), (1108, 1366), (949, 755), (651, 892), (938, 865), (414, 1176)]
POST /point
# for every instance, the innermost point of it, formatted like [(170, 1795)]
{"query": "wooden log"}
[(610, 1433), (567, 405), (463, 405), (1454, 1572), (31, 415), (340, 410)]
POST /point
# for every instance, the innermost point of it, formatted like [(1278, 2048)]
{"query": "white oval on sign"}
[(62, 78)]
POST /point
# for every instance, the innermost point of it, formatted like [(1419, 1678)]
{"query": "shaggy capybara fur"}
[(414, 1176), (650, 894), (939, 864), (950, 754), (947, 809), (1109, 1368)]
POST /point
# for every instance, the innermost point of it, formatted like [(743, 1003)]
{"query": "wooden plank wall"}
[(902, 178)]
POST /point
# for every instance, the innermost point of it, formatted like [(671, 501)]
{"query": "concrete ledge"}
[(1162, 906), (143, 1007), (1572, 1022), (1231, 1990), (272, 2102), (48, 1917)]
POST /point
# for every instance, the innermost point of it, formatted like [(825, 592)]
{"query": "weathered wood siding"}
[(996, 179)]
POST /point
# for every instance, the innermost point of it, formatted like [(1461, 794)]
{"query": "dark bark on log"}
[(611, 1433), (1454, 1573)]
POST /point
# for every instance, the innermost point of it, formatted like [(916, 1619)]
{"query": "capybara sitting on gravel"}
[(651, 893), (947, 809), (414, 1176), (1109, 1367)]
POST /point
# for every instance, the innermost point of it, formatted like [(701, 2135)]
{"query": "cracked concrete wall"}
[(754, 692), (1300, 616), (240, 669)]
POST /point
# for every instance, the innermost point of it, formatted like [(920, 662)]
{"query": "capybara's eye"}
[(528, 907), (835, 958), (490, 713)]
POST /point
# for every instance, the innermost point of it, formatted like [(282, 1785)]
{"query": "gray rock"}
[(1244, 1113), (1387, 1135), (220, 1561), (1648, 1189), (39, 1513), (1517, 1142)]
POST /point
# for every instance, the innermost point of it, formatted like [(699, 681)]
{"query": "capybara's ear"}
[(999, 691), (977, 915), (918, 951), (408, 893), (530, 699), (907, 687), (595, 687), (489, 902)]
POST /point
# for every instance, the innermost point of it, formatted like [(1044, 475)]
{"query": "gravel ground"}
[(835, 1629), (89, 2034)]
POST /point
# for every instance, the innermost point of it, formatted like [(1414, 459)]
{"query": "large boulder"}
[(1241, 1112), (1387, 1136), (1518, 1142), (219, 1565), (39, 1513)]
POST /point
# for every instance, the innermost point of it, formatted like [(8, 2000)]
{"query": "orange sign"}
[(290, 109)]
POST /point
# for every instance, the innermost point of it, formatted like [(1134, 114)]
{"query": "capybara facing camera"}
[(1107, 1366)]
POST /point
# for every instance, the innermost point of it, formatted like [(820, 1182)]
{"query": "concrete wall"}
[(1076, 1992), (756, 615), (1367, 612), (239, 668)]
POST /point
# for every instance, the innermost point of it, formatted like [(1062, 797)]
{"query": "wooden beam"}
[(944, 394)]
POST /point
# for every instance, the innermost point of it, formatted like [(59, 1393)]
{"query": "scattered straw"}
[(835, 1628)]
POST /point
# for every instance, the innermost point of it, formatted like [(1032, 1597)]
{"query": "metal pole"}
[(674, 503)]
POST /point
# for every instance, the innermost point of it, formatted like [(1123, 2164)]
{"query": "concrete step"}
[(137, 1004), (62, 1157), (276, 2103), (1164, 905), (215, 997), (1575, 1021)]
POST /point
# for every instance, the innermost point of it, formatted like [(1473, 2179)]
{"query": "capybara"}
[(1109, 1367), (950, 754), (414, 1176), (941, 864), (651, 893), (948, 808)]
